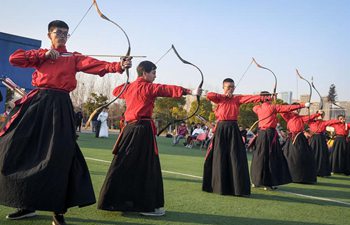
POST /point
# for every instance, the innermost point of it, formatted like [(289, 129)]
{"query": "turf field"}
[(328, 202)]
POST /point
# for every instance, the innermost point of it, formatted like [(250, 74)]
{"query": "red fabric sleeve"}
[(248, 98), (311, 117), (288, 108), (30, 58), (331, 122), (94, 66), (163, 90), (216, 98)]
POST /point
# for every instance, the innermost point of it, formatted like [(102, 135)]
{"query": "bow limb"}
[(310, 88), (321, 99), (126, 55), (274, 93), (199, 86), (274, 75)]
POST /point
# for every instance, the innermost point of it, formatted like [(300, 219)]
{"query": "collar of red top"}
[(60, 49), (141, 79)]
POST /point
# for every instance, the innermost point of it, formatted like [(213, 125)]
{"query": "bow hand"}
[(197, 92), (125, 63)]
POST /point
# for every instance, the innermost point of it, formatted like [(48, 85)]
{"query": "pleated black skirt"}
[(269, 166), (226, 166), (134, 179), (42, 167), (340, 156), (319, 145), (300, 159)]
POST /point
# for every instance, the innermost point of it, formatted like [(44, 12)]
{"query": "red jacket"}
[(228, 108), (319, 126), (60, 73), (267, 113), (295, 122), (140, 96), (341, 129)]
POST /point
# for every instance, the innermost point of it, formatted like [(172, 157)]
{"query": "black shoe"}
[(20, 214), (58, 219)]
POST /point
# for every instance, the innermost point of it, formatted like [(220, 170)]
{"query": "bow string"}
[(126, 55), (310, 89), (199, 86), (321, 99), (274, 92)]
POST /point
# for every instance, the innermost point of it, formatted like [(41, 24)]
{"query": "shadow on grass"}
[(72, 221), (338, 177), (334, 185), (201, 218)]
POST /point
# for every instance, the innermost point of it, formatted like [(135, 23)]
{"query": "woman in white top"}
[(102, 117)]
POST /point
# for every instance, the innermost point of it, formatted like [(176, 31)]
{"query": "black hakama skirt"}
[(42, 167), (319, 145), (226, 166), (300, 159), (269, 166), (340, 156), (134, 179)]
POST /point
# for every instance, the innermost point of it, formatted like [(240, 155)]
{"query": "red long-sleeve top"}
[(319, 126), (140, 96), (295, 122), (341, 129), (60, 73), (228, 108), (267, 113)]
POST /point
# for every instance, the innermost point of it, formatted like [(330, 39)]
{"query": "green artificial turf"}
[(185, 203)]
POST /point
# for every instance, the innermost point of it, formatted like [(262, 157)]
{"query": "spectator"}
[(78, 120), (122, 122), (243, 133), (194, 135), (103, 118), (210, 135), (181, 133), (94, 123)]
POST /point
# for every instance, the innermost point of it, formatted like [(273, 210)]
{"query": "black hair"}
[(57, 23), (265, 93), (340, 116), (228, 80), (145, 66)]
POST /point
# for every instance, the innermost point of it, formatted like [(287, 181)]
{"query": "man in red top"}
[(318, 143), (299, 155), (50, 172), (134, 179), (181, 133), (269, 167), (340, 156), (226, 166)]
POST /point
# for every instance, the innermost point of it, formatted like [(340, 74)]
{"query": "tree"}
[(168, 109), (332, 97), (93, 102), (332, 94), (246, 116), (204, 110)]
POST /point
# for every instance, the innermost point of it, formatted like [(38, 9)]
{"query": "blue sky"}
[(219, 36)]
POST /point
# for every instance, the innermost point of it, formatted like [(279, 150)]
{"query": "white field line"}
[(198, 177), (315, 197)]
